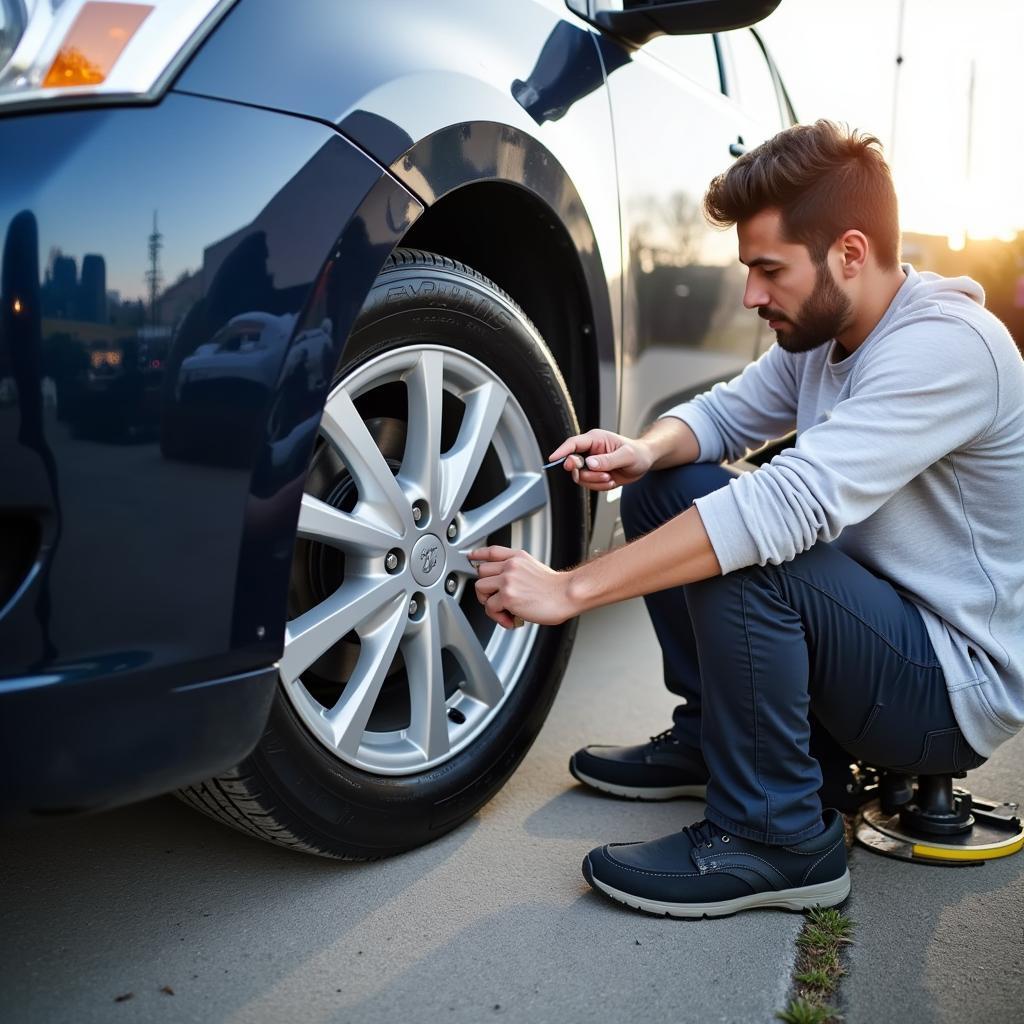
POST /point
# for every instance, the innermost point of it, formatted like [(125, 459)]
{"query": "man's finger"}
[(618, 459), (576, 443), (487, 586), (495, 611), (494, 553), (490, 569), (592, 481)]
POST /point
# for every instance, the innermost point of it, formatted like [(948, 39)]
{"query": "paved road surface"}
[(493, 922)]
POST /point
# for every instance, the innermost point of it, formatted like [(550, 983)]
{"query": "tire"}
[(413, 718)]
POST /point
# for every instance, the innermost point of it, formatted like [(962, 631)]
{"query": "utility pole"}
[(153, 276), (896, 84), (970, 144)]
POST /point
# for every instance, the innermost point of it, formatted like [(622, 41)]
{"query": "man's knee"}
[(662, 494), (639, 506), (784, 583), (714, 601)]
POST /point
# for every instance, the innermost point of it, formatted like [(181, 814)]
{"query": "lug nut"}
[(391, 562), (453, 531), (451, 584), (413, 607), (417, 513)]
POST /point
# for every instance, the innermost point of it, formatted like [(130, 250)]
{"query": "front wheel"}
[(401, 707)]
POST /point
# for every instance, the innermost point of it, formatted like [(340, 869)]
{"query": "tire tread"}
[(233, 798)]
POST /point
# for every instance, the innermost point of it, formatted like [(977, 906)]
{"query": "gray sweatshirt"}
[(910, 457)]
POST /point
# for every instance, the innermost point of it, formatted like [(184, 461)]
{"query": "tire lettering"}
[(440, 293)]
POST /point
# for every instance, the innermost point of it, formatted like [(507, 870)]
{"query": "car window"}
[(752, 84), (693, 56)]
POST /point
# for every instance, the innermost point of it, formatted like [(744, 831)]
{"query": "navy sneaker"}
[(659, 770), (705, 872)]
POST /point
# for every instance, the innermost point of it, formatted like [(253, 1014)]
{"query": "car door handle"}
[(737, 148)]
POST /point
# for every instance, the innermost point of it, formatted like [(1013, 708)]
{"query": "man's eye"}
[(771, 273)]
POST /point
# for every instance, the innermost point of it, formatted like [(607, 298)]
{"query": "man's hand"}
[(612, 460), (513, 584)]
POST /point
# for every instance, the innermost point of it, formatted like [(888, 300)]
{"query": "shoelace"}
[(664, 737), (701, 833)]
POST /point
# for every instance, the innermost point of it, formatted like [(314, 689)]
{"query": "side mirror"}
[(637, 21)]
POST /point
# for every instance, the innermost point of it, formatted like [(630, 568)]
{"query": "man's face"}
[(800, 299)]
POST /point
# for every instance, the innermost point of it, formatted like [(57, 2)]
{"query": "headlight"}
[(67, 51)]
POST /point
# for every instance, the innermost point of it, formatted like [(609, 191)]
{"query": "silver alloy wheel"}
[(397, 595)]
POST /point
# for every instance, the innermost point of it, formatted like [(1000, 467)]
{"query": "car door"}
[(676, 127), (755, 87)]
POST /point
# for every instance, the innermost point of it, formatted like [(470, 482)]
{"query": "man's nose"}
[(755, 295)]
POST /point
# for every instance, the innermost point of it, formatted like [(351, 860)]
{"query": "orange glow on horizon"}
[(94, 42)]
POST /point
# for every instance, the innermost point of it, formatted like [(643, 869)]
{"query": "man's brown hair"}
[(824, 179)]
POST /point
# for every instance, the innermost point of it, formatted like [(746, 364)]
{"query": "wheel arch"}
[(511, 183), (496, 199), (534, 263)]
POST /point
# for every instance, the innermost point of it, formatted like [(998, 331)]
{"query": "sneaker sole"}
[(636, 792), (824, 894)]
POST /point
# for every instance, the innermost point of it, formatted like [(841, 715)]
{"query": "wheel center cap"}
[(427, 560)]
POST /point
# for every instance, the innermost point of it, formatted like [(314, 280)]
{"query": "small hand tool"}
[(558, 462)]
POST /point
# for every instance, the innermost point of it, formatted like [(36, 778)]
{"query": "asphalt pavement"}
[(492, 922), (153, 913)]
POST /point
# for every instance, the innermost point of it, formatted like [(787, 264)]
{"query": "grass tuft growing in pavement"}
[(803, 1011), (818, 967)]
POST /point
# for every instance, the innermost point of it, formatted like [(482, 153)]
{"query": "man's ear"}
[(853, 248)]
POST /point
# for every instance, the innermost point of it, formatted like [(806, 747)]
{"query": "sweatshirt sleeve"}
[(927, 391), (753, 407)]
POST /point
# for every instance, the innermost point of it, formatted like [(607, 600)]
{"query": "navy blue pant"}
[(786, 667)]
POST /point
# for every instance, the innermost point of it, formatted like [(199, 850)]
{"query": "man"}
[(867, 582)]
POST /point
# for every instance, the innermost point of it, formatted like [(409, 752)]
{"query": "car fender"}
[(446, 98)]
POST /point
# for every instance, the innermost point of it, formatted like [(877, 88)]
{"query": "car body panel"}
[(137, 586)]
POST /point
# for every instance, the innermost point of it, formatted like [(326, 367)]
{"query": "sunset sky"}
[(839, 61)]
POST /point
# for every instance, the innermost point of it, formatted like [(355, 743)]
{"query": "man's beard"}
[(823, 315)]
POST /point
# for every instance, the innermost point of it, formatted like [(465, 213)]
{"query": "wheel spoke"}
[(460, 465), (343, 427), (458, 561), (347, 530), (526, 493), (421, 462), (428, 725), (317, 630), (457, 636), (349, 716)]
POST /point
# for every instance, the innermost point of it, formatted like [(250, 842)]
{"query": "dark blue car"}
[(296, 300)]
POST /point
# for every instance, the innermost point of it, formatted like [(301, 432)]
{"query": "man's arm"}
[(672, 443), (677, 552), (514, 583), (755, 406)]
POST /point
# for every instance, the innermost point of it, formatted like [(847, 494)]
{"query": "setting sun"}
[(940, 117)]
